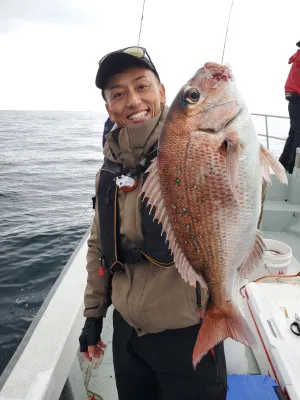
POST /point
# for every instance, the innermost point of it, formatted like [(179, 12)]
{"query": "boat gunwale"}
[(18, 352)]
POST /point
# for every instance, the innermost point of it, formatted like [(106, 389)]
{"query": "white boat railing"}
[(41, 365), (266, 118)]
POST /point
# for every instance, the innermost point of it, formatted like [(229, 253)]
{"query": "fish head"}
[(209, 121), (208, 102)]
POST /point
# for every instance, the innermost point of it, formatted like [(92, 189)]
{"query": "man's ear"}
[(162, 93), (109, 112)]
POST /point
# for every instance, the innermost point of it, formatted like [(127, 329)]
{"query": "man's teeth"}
[(138, 115)]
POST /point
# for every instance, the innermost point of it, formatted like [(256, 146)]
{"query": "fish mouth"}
[(233, 118), (217, 129)]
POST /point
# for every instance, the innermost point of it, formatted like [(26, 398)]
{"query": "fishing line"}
[(228, 22), (90, 205), (142, 17)]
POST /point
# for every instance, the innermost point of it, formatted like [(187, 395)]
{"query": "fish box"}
[(271, 308)]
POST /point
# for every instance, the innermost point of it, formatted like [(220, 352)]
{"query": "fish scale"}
[(205, 185)]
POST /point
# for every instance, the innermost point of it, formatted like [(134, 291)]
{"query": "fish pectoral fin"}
[(253, 259), (218, 325), (232, 154), (268, 160)]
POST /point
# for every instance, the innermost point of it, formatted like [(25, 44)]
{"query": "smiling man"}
[(156, 317), (133, 96)]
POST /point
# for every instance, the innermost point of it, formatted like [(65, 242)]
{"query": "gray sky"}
[(50, 48)]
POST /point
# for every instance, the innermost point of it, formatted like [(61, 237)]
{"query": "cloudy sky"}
[(50, 48)]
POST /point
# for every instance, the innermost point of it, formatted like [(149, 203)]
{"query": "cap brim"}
[(118, 62)]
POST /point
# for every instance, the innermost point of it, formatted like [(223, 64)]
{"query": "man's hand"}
[(94, 351), (90, 343)]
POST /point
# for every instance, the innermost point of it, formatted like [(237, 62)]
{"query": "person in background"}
[(156, 316), (292, 94), (107, 128)]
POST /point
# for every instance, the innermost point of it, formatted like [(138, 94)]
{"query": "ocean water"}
[(48, 162)]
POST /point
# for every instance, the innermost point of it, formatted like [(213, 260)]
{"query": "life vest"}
[(154, 246)]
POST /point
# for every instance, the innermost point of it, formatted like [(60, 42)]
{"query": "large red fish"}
[(206, 185)]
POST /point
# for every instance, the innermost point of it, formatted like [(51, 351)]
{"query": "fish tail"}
[(218, 325)]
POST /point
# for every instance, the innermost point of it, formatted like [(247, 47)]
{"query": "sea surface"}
[(48, 162)]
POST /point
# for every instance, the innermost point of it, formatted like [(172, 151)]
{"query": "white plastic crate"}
[(270, 310)]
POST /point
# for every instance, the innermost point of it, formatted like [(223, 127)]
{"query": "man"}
[(156, 317), (292, 94)]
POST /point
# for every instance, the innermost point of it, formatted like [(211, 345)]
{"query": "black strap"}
[(154, 248), (132, 256), (198, 295), (94, 202)]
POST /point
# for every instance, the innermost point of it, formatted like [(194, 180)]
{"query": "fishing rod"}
[(228, 22), (141, 24)]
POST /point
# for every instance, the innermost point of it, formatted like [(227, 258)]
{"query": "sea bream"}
[(205, 185)]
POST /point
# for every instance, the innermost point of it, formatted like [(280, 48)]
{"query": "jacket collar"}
[(129, 145)]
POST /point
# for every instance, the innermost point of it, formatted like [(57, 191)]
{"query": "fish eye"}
[(191, 96)]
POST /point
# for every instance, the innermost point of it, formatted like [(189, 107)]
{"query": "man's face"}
[(133, 96)]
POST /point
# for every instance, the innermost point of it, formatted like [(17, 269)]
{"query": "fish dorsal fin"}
[(152, 190), (253, 259), (268, 160)]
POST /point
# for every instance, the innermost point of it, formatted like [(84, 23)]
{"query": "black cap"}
[(117, 62), (298, 44)]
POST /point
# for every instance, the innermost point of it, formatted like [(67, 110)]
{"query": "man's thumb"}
[(91, 351)]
